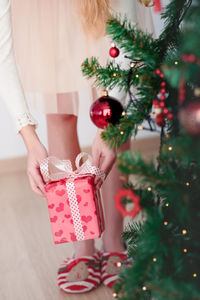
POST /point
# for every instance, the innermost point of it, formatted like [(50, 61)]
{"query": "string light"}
[(149, 188), (154, 259), (132, 64), (165, 223), (187, 183), (140, 127), (114, 74), (167, 204), (184, 231), (123, 113), (195, 275), (119, 264), (115, 295), (176, 63), (137, 75), (121, 132), (144, 288), (185, 250), (170, 148)]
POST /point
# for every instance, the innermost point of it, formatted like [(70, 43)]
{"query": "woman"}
[(51, 40)]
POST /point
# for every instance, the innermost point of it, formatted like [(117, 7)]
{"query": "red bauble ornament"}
[(189, 117), (114, 52), (165, 110), (157, 71), (170, 116), (106, 110), (134, 198), (160, 120), (163, 83), (162, 104), (163, 91)]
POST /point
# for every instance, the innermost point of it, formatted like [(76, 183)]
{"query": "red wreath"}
[(134, 198)]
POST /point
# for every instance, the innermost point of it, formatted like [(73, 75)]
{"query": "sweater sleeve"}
[(11, 91)]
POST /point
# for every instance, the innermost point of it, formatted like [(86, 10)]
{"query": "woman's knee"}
[(61, 119)]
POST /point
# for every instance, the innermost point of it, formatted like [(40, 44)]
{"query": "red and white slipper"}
[(80, 275), (111, 265)]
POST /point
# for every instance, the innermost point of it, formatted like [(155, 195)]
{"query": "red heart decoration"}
[(86, 191), (67, 216), (60, 192), (86, 219), (54, 219), (85, 204), (60, 207), (51, 206), (78, 198), (84, 228), (73, 237), (63, 240), (59, 233)]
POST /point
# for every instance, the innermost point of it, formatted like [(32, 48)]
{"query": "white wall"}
[(12, 145)]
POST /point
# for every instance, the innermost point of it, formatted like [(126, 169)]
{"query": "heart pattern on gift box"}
[(60, 207), (86, 219), (84, 228), (59, 233), (60, 192), (60, 211), (78, 198), (54, 219), (73, 237), (67, 216), (51, 206)]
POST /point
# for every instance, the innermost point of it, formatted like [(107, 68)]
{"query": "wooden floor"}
[(28, 257)]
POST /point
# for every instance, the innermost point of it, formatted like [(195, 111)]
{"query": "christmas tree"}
[(165, 245)]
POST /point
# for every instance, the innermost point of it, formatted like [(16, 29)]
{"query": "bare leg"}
[(63, 143), (112, 240)]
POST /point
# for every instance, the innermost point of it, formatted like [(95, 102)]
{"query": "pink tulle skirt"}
[(50, 46)]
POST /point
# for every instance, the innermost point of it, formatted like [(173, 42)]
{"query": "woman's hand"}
[(36, 153), (103, 156)]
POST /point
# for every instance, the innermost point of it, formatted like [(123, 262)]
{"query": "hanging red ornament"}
[(114, 51), (163, 83), (157, 6), (133, 197), (105, 110), (160, 120), (189, 117)]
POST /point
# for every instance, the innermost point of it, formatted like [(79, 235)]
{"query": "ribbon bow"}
[(66, 170)]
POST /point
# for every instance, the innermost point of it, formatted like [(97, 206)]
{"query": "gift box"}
[(74, 204)]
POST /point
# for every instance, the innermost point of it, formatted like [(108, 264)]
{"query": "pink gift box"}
[(75, 208)]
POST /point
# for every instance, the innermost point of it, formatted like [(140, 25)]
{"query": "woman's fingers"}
[(107, 163), (36, 182)]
